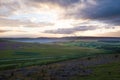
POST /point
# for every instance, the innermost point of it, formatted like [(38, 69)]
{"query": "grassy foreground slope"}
[(109, 71), (97, 67)]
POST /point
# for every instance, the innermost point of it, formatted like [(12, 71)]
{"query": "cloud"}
[(40, 24), (70, 30), (2, 31), (104, 9), (8, 22), (93, 9), (18, 23), (82, 15), (62, 3), (7, 7), (107, 11)]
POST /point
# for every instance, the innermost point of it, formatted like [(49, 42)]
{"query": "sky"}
[(59, 18)]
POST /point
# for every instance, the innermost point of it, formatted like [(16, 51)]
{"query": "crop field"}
[(53, 57)]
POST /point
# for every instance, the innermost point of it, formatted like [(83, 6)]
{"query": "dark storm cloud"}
[(71, 30), (112, 21), (104, 10)]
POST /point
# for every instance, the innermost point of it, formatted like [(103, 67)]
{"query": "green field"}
[(19, 54), (60, 57), (28, 54)]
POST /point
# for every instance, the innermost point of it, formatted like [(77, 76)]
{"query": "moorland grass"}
[(19, 54), (109, 71)]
